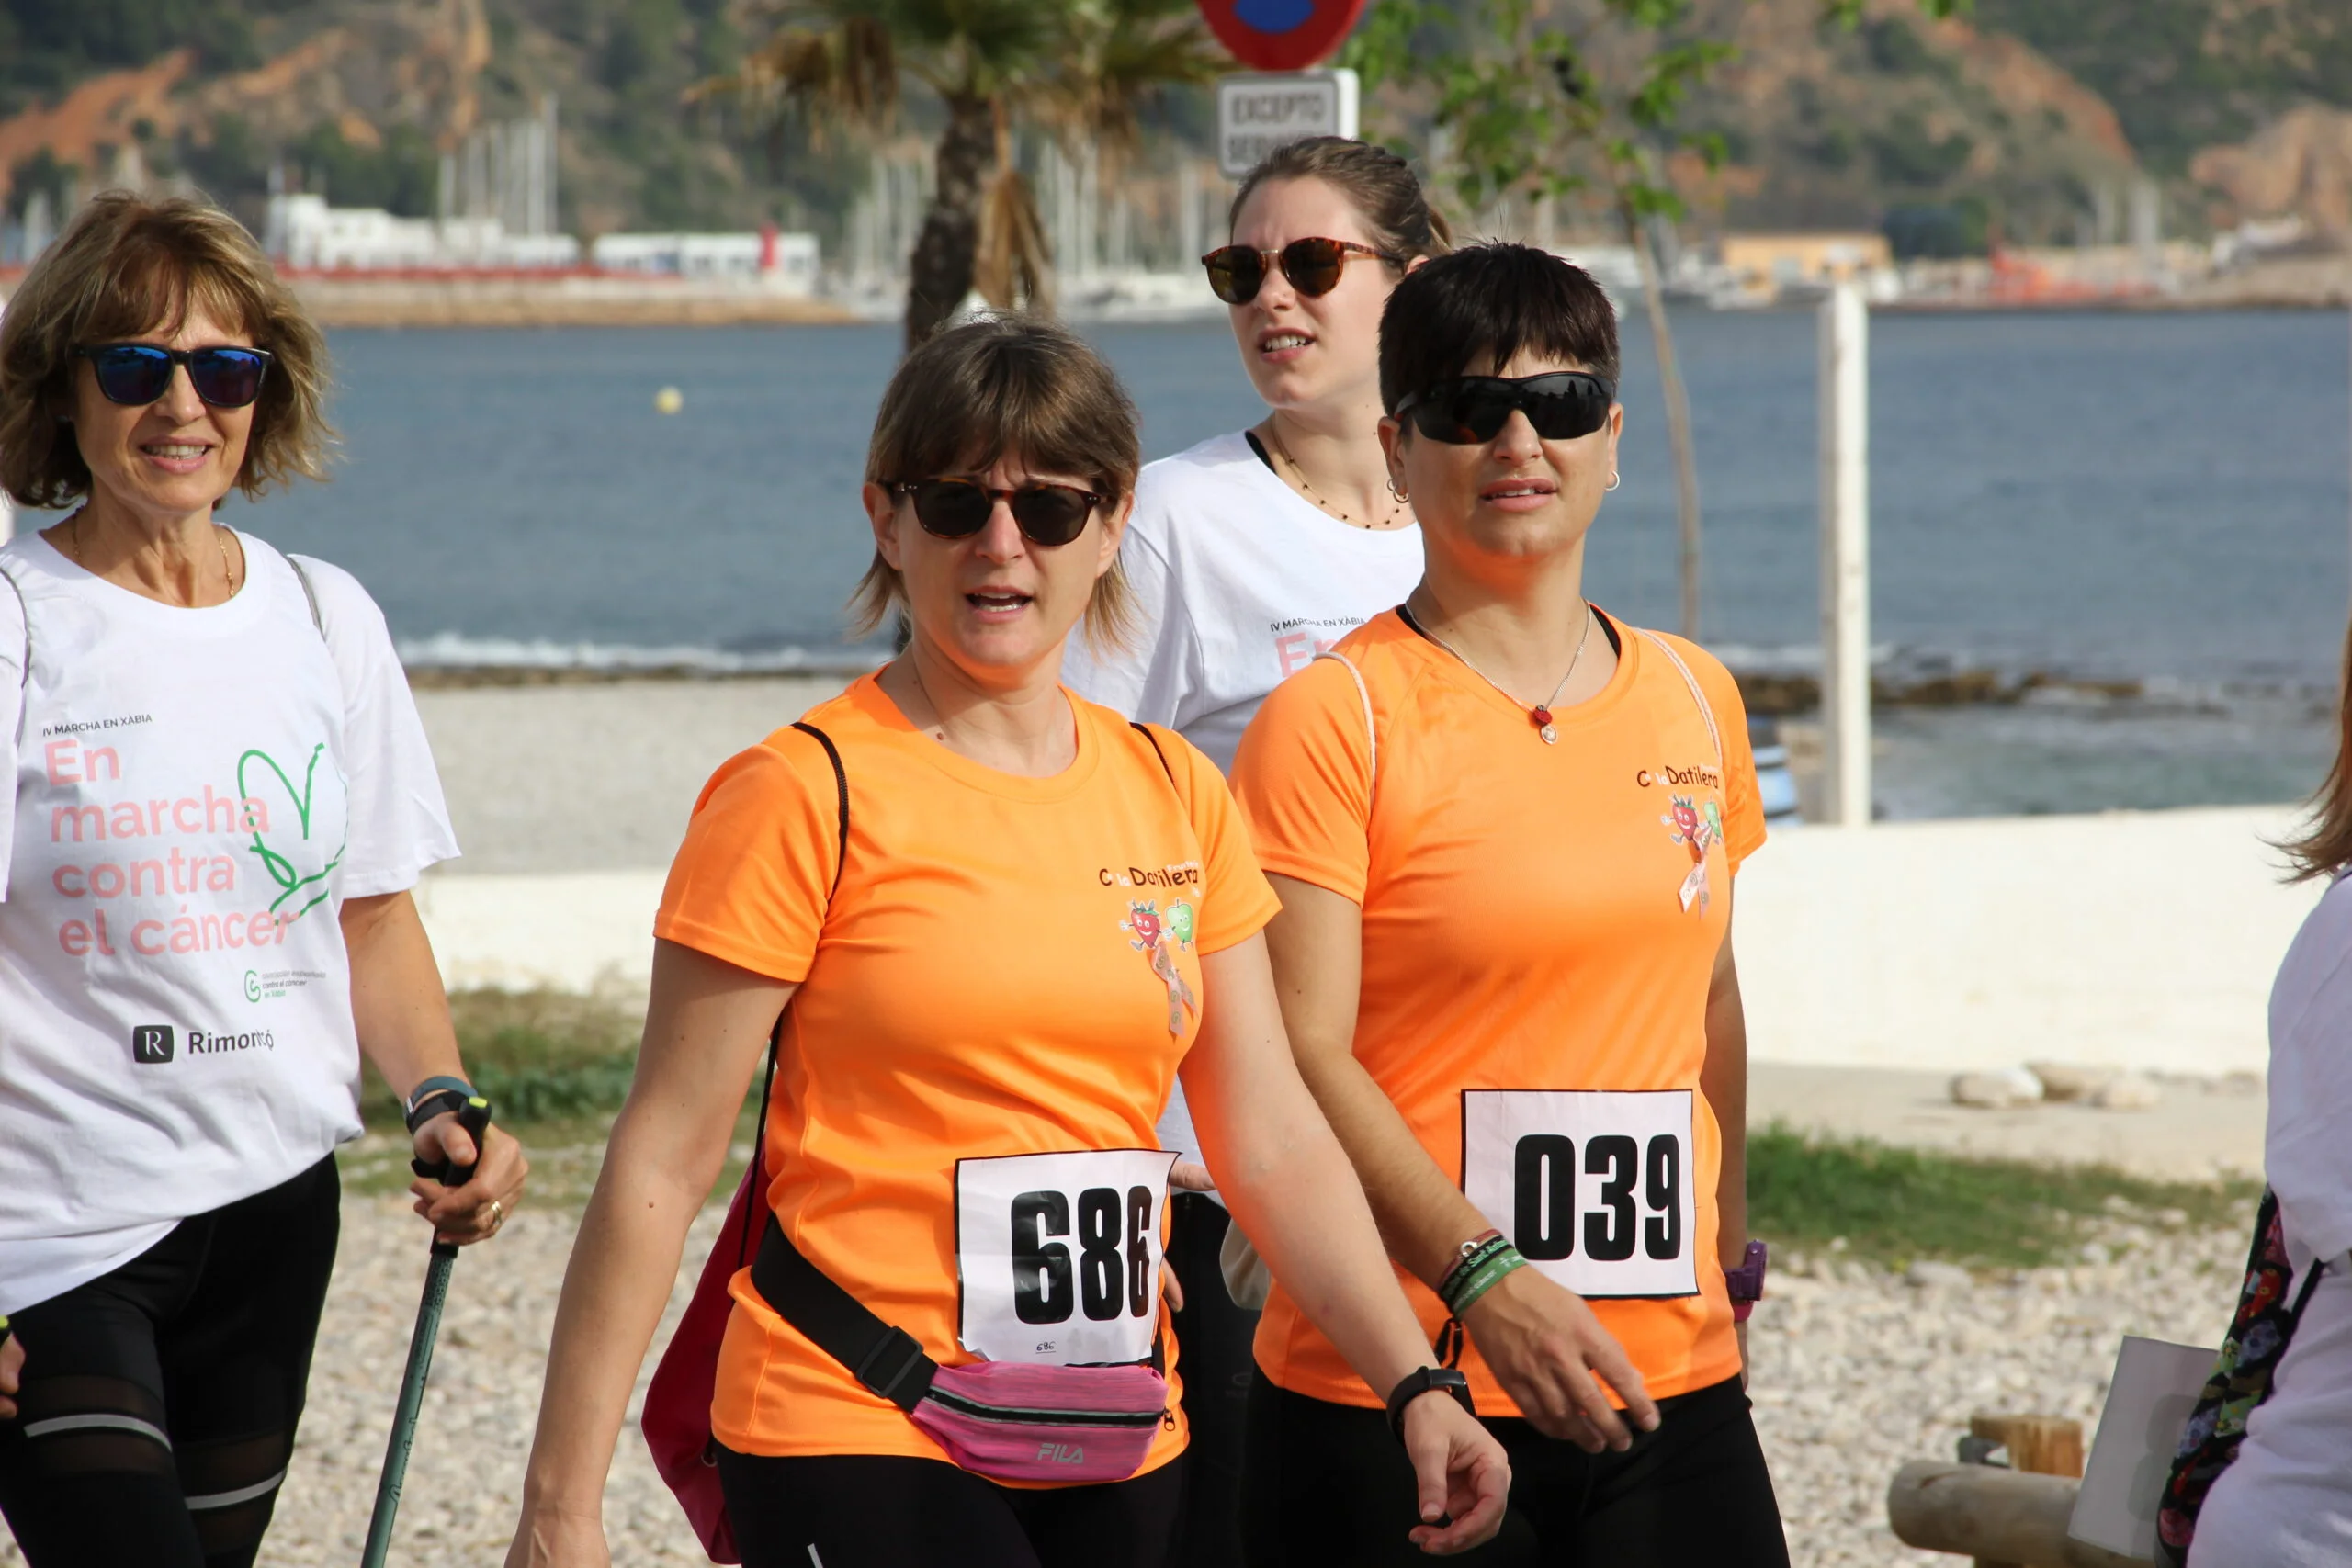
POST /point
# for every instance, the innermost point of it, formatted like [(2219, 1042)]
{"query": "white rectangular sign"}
[(1256, 114), (2156, 1384), (1594, 1187), (1058, 1255)]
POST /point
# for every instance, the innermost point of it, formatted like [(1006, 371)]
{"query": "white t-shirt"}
[(191, 795), (1240, 584), (2286, 1501)]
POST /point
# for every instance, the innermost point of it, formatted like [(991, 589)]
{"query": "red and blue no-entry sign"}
[(1281, 35)]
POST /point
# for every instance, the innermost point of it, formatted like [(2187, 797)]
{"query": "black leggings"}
[(1329, 1485), (1213, 1338), (160, 1400), (885, 1511)]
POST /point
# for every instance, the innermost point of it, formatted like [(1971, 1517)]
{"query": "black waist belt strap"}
[(888, 1360)]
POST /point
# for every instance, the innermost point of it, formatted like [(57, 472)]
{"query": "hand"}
[(464, 1214), (1462, 1472), (1544, 1345), (548, 1538), (12, 1367), (1191, 1176)]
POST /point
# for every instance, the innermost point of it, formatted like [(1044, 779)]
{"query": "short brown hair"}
[(1379, 184), (1009, 384), (127, 267)]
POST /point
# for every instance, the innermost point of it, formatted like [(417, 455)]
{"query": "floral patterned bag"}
[(2258, 1340)]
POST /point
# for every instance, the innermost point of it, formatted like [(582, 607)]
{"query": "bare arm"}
[(1292, 1191), (1722, 1078), (1542, 1342), (403, 1016), (705, 1027)]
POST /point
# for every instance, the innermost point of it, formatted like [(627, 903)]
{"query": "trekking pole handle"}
[(474, 1117)]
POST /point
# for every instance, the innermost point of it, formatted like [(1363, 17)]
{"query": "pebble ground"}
[(1856, 1370)]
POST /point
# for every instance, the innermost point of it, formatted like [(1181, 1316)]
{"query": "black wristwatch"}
[(1419, 1383)]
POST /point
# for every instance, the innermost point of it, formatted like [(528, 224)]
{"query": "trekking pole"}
[(474, 1117)]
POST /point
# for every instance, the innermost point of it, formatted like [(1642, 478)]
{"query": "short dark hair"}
[(1008, 383), (1486, 303)]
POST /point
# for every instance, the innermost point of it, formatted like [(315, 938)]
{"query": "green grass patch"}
[(1894, 1206), (539, 1056)]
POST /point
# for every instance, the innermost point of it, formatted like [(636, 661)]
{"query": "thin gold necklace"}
[(1275, 430), (1541, 714), (220, 538)]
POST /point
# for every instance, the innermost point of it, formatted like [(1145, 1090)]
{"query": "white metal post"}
[(1844, 556)]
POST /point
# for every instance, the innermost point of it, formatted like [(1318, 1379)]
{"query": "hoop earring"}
[(1396, 490), (1613, 482)]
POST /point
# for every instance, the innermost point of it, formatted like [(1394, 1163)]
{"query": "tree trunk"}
[(1678, 418), (939, 274)]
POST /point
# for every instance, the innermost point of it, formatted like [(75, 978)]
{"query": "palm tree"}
[(1075, 68)]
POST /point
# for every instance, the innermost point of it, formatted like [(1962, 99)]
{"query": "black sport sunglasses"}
[(137, 374), (1313, 266), (1471, 409), (957, 509)]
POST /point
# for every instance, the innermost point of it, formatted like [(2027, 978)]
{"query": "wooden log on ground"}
[(1983, 1511), (2039, 1445)]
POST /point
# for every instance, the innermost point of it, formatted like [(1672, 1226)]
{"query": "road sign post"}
[(1256, 114)]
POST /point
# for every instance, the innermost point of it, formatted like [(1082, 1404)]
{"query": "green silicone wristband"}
[(1484, 1254), (1483, 1278)]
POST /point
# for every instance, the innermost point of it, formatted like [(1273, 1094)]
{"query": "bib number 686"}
[(1111, 1278), (1058, 1255)]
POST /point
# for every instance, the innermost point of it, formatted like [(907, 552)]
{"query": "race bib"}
[(1593, 1186), (1057, 1256)]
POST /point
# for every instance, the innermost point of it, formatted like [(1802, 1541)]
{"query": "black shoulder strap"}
[(888, 1360), (775, 1031), (1144, 730)]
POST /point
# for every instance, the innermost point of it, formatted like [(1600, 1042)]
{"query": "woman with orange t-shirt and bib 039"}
[(996, 921), (1504, 827)]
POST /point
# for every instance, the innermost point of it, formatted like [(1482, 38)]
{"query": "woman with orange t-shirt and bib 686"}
[(1504, 827), (996, 921)]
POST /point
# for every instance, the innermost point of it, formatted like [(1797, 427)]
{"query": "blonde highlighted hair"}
[(2325, 845), (128, 267), (1010, 385)]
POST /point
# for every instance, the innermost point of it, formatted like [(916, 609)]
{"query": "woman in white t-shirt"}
[(2286, 1500), (215, 795), (1249, 554)]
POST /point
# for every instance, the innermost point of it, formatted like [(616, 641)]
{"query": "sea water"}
[(2152, 499)]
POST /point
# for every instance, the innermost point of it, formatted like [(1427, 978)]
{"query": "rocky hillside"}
[(2027, 120)]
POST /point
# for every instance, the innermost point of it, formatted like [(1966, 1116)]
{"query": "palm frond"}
[(847, 73), (1118, 56)]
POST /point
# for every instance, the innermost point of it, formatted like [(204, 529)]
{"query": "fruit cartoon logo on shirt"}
[(1157, 940), (1698, 834), (294, 864)]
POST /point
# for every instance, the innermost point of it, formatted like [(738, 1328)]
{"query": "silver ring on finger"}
[(497, 1216)]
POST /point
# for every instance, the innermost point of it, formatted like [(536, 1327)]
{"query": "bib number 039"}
[(1595, 1187), (1057, 1256)]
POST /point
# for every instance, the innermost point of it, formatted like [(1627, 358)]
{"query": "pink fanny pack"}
[(1006, 1420)]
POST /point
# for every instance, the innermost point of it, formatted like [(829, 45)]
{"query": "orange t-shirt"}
[(1540, 928), (991, 978)]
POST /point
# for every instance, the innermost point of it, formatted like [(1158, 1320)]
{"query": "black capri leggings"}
[(887, 1511), (1329, 1486), (159, 1401)]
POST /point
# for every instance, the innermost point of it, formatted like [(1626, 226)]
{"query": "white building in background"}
[(302, 232), (785, 263)]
